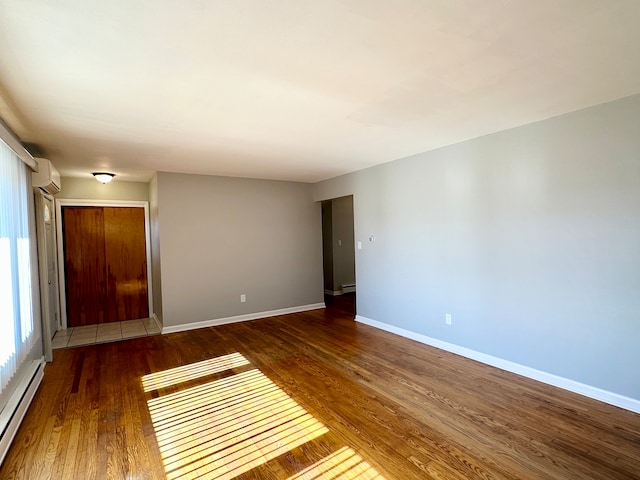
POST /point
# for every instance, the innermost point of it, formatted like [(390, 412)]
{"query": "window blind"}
[(16, 305)]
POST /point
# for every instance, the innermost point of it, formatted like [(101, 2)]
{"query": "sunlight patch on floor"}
[(229, 426), (173, 376), (341, 465)]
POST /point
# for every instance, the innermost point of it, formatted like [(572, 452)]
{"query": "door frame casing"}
[(43, 268), (73, 202)]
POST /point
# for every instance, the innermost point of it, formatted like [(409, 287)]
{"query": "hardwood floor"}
[(307, 396)]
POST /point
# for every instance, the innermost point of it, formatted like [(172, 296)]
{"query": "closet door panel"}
[(85, 265), (125, 250)]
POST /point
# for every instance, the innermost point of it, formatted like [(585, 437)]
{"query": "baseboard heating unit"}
[(16, 408), (348, 287)]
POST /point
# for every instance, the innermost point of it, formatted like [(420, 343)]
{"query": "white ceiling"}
[(294, 89)]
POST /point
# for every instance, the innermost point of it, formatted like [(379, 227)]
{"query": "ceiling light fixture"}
[(104, 177)]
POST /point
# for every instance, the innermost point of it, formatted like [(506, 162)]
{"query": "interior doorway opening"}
[(338, 253)]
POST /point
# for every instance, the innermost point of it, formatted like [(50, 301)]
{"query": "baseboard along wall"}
[(333, 293), (550, 379), (241, 318), (15, 410)]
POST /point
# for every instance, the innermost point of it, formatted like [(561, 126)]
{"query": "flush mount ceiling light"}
[(104, 177)]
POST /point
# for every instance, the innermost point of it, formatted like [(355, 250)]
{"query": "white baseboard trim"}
[(241, 318), (333, 293), (15, 410), (576, 387)]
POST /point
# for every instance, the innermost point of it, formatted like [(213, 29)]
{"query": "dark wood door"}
[(126, 263), (84, 263), (105, 264)]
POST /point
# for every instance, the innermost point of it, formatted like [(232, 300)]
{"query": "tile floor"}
[(104, 332)]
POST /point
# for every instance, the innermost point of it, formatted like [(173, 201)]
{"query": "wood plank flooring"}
[(307, 396)]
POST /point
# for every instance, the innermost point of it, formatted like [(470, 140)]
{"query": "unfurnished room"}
[(341, 239)]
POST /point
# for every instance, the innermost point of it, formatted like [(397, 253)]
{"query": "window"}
[(16, 306)]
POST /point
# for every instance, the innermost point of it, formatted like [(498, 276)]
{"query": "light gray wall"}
[(154, 233), (91, 189), (222, 237), (530, 238), (343, 242)]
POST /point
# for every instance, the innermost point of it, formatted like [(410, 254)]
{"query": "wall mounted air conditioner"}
[(47, 177)]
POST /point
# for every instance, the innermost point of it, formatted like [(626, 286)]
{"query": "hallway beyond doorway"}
[(342, 304)]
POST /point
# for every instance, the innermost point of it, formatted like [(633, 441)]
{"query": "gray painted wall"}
[(530, 238), (154, 234), (221, 237), (91, 189)]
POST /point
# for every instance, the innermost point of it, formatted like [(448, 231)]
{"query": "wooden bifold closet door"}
[(105, 264)]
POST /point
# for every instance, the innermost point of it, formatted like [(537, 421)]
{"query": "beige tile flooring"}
[(104, 332)]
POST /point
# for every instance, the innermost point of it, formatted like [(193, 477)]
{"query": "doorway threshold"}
[(104, 332)]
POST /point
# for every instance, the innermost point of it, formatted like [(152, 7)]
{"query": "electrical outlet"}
[(447, 318), (243, 298)]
